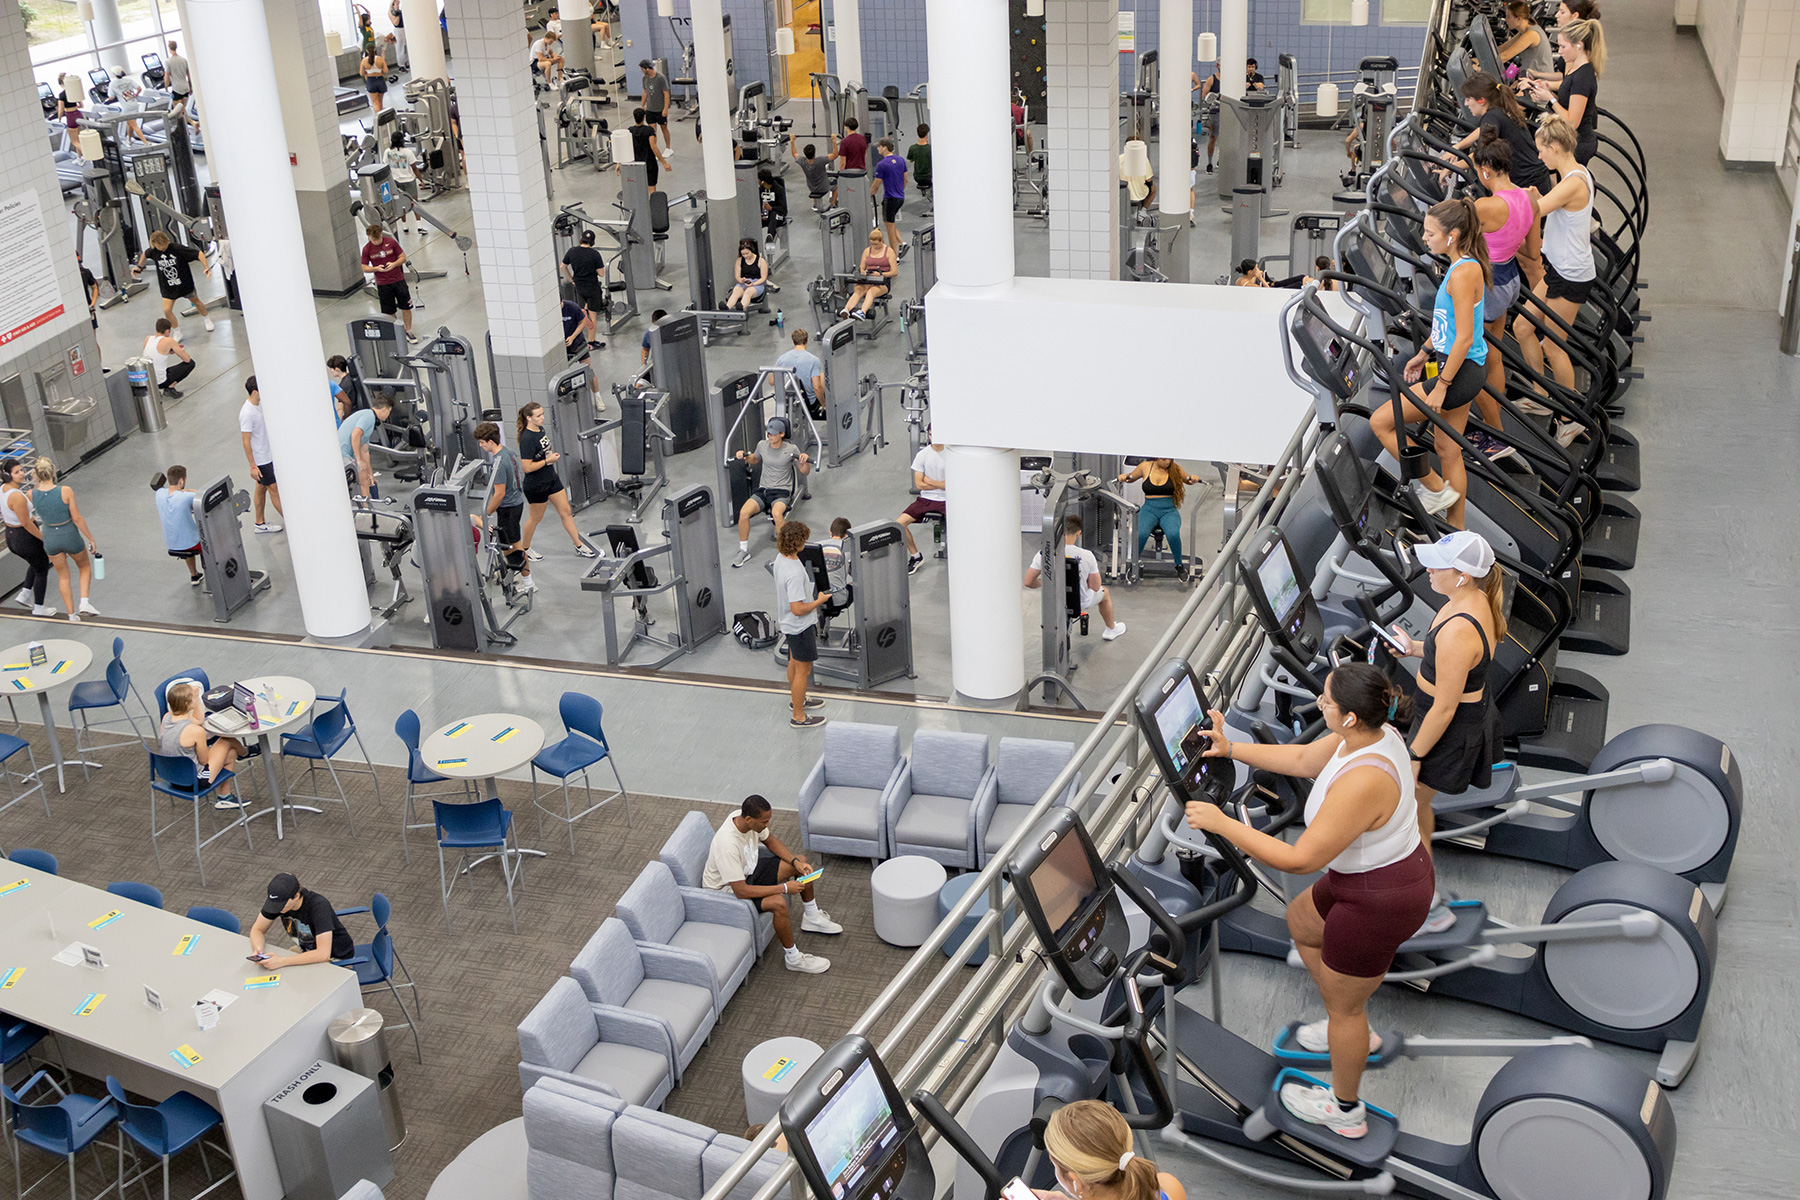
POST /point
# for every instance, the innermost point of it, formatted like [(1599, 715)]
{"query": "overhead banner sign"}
[(31, 298)]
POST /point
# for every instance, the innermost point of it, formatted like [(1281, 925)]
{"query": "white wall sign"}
[(1127, 33), (32, 298)]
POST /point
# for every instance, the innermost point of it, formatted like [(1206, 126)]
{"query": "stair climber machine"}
[(1373, 105), (1560, 1119)]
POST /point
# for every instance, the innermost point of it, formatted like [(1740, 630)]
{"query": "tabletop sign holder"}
[(153, 998), (39, 656), (207, 1013), (92, 957)]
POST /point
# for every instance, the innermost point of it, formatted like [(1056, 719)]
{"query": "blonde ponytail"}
[(1493, 587), (1091, 1141)]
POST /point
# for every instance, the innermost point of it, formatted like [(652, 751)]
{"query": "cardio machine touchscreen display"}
[(1064, 883), (1276, 575), (854, 1139), (1180, 720)]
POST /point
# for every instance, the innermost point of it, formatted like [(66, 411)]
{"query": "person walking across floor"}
[(583, 267), (174, 277), (23, 536), (506, 501), (254, 432), (383, 258), (66, 536), (656, 100), (751, 863), (889, 185), (542, 486)]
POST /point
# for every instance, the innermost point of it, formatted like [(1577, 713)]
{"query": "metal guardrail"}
[(1213, 632)]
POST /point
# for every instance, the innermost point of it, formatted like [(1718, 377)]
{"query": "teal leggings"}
[(1160, 510)]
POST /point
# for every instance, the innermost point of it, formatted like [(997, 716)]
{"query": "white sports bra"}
[(1398, 836)]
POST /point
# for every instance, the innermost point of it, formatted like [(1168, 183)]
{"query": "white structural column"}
[(108, 29), (846, 21), (425, 41), (967, 46), (509, 197), (1081, 75), (1234, 45), (305, 83), (578, 34), (715, 113), (231, 43), (1175, 51)]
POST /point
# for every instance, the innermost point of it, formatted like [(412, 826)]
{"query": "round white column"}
[(1234, 45), (987, 623), (846, 20), (971, 141), (425, 41), (1175, 50), (108, 28), (230, 43), (715, 104)]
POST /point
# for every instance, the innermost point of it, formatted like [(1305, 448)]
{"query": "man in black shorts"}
[(795, 606), (173, 275), (781, 463), (584, 268), (383, 258), (506, 501), (656, 99), (890, 184), (643, 146)]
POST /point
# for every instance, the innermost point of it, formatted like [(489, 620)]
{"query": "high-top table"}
[(484, 748), (263, 1041), (65, 661), (282, 702)]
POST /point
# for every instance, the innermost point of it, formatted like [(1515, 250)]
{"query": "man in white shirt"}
[(1087, 570), (546, 53), (754, 866), (255, 433), (928, 477)]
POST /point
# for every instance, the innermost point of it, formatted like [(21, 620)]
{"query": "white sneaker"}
[(1316, 1105), (1115, 633), (265, 528), (74, 618), (819, 922), (1439, 919), (1315, 1036), (43, 610), (209, 325), (742, 558), (1532, 407), (1435, 502), (24, 597), (534, 556), (810, 964), (226, 803), (88, 608), (1567, 432), (525, 586)]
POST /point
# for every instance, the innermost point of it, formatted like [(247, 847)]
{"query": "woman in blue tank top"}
[(1454, 363)]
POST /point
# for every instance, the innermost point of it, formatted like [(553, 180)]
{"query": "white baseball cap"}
[(1460, 551)]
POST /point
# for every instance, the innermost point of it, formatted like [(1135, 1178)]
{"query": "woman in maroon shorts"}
[(1362, 829)]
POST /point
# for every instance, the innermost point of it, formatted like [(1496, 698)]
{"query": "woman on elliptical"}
[(1509, 226), (1090, 1149), (1457, 350), (1527, 47), (1454, 738), (1362, 830)]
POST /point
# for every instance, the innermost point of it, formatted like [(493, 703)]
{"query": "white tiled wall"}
[(1081, 69), (1753, 46), (511, 207)]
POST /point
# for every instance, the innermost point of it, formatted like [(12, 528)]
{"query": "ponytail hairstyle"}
[(1556, 131), (1584, 10), (1366, 692), (1090, 1141), (1521, 10), (1587, 34), (1492, 152), (1483, 88), (1459, 217), (1492, 586), (525, 411)]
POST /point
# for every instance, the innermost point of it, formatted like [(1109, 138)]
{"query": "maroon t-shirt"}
[(855, 149), (384, 257)]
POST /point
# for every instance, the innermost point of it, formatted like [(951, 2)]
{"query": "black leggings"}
[(37, 563)]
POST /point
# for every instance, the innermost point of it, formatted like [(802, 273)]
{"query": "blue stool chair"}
[(218, 918), (485, 825), (9, 746), (176, 777), (66, 1127), (329, 729), (948, 897), (17, 1040), (143, 893), (375, 960), (37, 860), (165, 1130), (112, 692), (406, 727), (583, 747), (195, 674)]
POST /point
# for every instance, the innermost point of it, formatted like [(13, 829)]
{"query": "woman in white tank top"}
[(1568, 250), (1362, 830)]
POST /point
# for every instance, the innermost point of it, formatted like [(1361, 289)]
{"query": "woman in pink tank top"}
[(1509, 223)]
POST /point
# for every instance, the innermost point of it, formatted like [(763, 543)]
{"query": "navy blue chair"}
[(583, 747), (375, 960), (37, 860), (218, 918), (111, 692), (66, 1127), (176, 777), (406, 728), (9, 746), (329, 729), (17, 1040), (167, 1129), (485, 825), (162, 689), (143, 893)]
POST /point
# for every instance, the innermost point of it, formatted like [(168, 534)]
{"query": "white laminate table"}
[(282, 702), (483, 748), (19, 678), (263, 1040)]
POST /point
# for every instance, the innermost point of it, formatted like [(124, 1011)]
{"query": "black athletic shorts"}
[(1467, 384), (377, 85), (541, 493), (1465, 753), (267, 470), (593, 298), (767, 497), (509, 524), (1575, 291), (650, 171), (890, 208), (767, 873), (804, 646), (393, 297), (656, 118)]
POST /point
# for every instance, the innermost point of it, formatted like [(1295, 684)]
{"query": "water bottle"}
[(780, 321), (99, 565)]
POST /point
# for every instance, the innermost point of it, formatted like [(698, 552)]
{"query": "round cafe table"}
[(282, 702), (64, 662), (483, 748)]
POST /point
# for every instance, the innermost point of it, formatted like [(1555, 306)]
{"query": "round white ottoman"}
[(771, 1070), (906, 890)]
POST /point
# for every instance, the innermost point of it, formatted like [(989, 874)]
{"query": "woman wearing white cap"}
[(1455, 734)]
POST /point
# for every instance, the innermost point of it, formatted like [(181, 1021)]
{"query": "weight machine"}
[(229, 576), (428, 123), (392, 532), (875, 643), (446, 520), (771, 129), (377, 194), (741, 405), (616, 277), (571, 421), (634, 460), (1064, 494), (690, 555)]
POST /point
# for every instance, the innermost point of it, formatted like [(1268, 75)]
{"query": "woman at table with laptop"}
[(184, 734)]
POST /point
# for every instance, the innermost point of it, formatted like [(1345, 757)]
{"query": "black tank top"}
[(1165, 488), (1477, 680)]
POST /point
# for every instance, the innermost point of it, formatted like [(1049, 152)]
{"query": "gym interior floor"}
[(1715, 637)]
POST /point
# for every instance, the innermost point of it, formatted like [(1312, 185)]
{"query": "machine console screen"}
[(856, 1141)]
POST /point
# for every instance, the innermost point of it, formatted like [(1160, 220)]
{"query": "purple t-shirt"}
[(892, 173)]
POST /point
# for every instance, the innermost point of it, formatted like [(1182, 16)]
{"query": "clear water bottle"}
[(780, 321)]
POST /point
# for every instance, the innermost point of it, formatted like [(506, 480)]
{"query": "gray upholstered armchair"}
[(568, 1135), (673, 987), (843, 803), (931, 811), (621, 1053), (715, 925), (1024, 769), (685, 855)]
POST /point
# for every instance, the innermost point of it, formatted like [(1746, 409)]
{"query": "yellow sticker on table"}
[(506, 734), (261, 981), (11, 977), (185, 1054), (21, 683), (90, 1004), (457, 730), (185, 946), (105, 919), (779, 1070), (14, 886)]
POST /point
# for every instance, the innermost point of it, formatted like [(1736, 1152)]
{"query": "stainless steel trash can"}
[(139, 373), (327, 1133), (357, 1044)]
